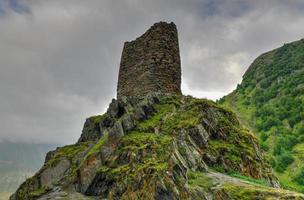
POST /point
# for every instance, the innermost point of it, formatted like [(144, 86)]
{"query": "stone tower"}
[(151, 63)]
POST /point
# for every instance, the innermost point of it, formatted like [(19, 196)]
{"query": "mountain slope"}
[(270, 100), (158, 147)]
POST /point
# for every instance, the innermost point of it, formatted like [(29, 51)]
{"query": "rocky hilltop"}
[(158, 145)]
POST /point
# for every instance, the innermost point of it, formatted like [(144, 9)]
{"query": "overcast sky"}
[(59, 59)]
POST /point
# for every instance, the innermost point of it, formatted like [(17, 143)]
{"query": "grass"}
[(249, 179), (249, 192), (98, 118), (97, 147), (140, 140), (147, 157), (198, 179), (155, 120), (69, 152), (256, 192)]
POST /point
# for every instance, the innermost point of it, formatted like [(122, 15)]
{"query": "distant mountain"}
[(17, 162), (270, 100)]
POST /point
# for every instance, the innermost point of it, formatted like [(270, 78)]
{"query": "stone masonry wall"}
[(151, 63)]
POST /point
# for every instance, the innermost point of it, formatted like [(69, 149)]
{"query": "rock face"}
[(150, 150), (151, 63)]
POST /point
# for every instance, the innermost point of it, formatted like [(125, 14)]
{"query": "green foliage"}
[(273, 92), (299, 178), (249, 179), (69, 152), (264, 146)]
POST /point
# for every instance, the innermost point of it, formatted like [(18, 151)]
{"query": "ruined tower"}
[(151, 63)]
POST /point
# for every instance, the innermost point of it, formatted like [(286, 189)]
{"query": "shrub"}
[(299, 178), (283, 161)]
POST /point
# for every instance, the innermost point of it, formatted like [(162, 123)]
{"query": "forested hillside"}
[(270, 100)]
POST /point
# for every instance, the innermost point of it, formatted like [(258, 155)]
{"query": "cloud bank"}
[(59, 59)]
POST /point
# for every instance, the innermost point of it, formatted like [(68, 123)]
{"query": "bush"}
[(283, 161), (264, 136), (299, 178), (264, 146)]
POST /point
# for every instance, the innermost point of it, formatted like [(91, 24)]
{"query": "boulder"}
[(52, 175)]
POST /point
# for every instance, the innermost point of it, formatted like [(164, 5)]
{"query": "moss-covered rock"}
[(161, 152)]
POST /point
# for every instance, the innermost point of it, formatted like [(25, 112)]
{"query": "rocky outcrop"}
[(52, 175), (151, 144)]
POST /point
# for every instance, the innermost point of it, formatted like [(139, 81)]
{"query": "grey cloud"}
[(59, 61)]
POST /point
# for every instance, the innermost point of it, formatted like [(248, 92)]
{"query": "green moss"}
[(183, 118), (69, 152), (148, 155), (199, 179), (232, 150), (161, 111), (30, 189), (97, 118), (103, 169), (97, 147), (39, 192), (141, 140), (244, 193)]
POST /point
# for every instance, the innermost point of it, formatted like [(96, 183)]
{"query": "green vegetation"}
[(30, 189), (38, 192), (270, 100), (249, 179), (147, 149), (283, 161), (97, 147), (155, 120), (256, 192), (199, 179), (96, 119), (241, 187), (299, 177), (69, 152), (152, 152)]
